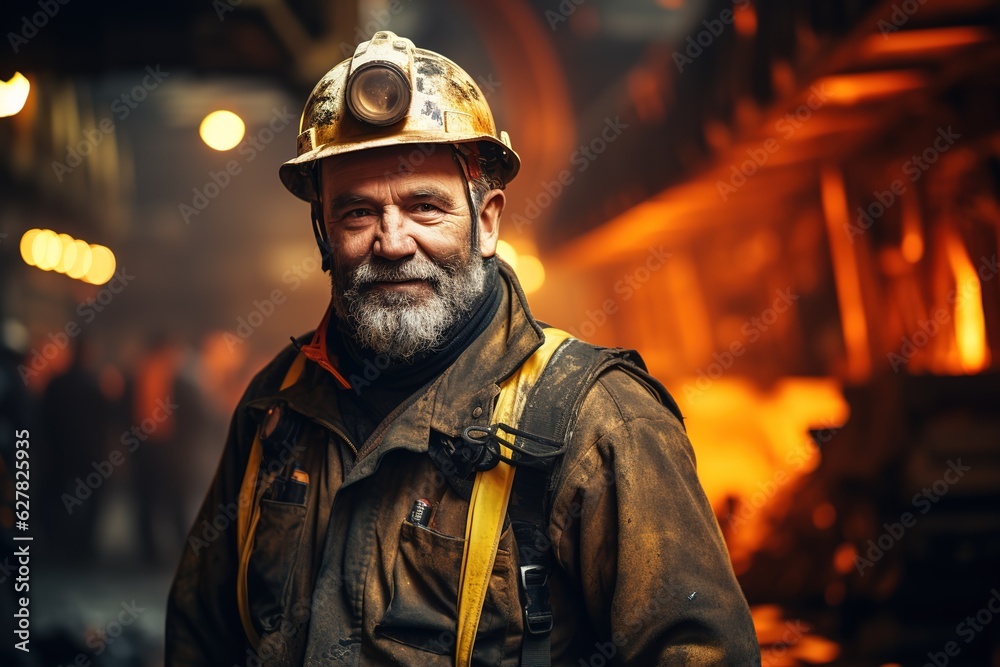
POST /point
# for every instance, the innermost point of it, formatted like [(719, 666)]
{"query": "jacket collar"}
[(473, 380), (319, 353), (461, 396)]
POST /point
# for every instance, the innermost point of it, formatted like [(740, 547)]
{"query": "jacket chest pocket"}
[(422, 607), (275, 550)]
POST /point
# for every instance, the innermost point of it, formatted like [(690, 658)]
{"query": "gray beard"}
[(401, 325)]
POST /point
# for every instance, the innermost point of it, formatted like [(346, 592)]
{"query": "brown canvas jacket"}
[(641, 575)]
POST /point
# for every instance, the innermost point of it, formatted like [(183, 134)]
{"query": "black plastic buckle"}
[(480, 448), (537, 612)]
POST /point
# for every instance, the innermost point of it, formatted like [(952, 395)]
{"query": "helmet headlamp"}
[(378, 93), (365, 102)]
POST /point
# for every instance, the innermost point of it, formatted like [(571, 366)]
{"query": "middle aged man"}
[(356, 518)]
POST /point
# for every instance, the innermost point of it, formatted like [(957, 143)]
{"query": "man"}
[(348, 542)]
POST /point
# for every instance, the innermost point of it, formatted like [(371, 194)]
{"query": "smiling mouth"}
[(399, 284)]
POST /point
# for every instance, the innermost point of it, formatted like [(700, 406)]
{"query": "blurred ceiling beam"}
[(865, 104), (528, 68), (314, 56)]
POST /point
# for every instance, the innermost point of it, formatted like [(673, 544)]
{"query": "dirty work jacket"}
[(641, 575)]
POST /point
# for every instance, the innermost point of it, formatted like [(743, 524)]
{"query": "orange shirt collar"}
[(318, 351)]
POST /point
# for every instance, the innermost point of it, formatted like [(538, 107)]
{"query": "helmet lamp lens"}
[(378, 95)]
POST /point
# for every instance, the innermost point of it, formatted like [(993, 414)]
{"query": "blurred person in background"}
[(13, 393), (76, 432), (164, 439), (358, 513), (14, 422)]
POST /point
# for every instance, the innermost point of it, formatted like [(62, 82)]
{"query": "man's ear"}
[(489, 222)]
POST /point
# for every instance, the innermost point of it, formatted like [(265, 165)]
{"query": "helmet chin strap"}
[(467, 158), (319, 229)]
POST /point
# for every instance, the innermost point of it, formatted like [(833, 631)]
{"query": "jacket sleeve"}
[(631, 523)]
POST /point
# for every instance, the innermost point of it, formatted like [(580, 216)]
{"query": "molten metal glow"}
[(909, 42), (786, 642), (845, 273), (750, 466), (970, 324), (849, 89), (913, 239)]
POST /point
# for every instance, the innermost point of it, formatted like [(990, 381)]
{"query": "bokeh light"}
[(507, 253), (222, 130), (102, 267), (49, 251), (531, 273), (81, 264), (13, 94), (27, 241), (45, 250), (67, 253)]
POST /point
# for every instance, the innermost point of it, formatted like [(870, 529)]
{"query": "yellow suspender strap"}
[(488, 505), (249, 514)]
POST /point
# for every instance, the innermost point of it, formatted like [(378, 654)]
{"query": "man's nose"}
[(392, 241)]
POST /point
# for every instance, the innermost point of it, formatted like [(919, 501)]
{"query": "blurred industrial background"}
[(791, 209)]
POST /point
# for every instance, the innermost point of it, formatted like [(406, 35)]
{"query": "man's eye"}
[(424, 207), (359, 213)]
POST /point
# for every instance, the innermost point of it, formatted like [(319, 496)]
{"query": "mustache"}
[(377, 269)]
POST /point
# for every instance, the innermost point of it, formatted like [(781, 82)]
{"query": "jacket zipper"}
[(336, 431)]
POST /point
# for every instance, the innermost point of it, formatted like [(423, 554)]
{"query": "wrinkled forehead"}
[(408, 162)]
